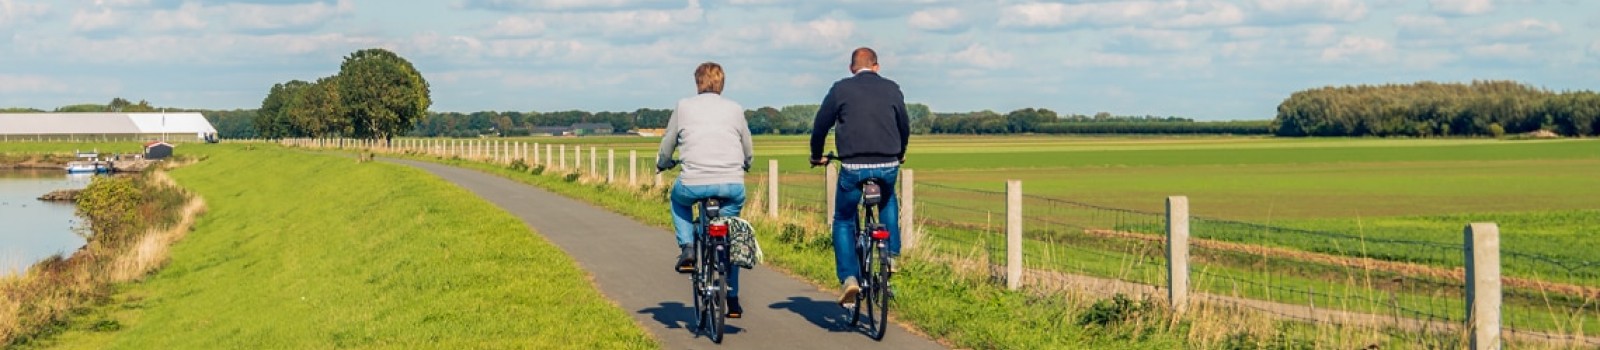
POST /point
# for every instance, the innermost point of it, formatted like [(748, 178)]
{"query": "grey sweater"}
[(712, 139)]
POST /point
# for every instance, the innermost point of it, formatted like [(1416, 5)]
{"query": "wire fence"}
[(1396, 285)]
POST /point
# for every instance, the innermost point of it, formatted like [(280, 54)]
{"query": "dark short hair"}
[(863, 57)]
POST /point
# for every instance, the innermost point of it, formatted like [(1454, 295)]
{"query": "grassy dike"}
[(302, 250)]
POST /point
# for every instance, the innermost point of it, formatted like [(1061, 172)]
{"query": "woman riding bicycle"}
[(713, 143)]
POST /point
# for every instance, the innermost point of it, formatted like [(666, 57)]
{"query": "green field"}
[(301, 250), (1403, 200)]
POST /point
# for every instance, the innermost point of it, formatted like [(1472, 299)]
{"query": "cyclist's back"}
[(871, 128), (712, 139)]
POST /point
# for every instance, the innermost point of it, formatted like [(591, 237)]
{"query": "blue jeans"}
[(683, 198), (847, 205)]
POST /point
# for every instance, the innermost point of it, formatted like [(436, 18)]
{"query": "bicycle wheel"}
[(878, 296), (697, 282), (717, 299), (864, 273)]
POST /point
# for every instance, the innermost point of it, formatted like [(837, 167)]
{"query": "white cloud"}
[(1503, 51), (824, 34), (948, 19), (85, 21), (12, 12), (186, 17), (1093, 60), (565, 5), (981, 56), (1526, 29), (30, 84), (517, 26), (1357, 47), (1179, 14), (1325, 10), (1156, 40), (1461, 7), (294, 17)]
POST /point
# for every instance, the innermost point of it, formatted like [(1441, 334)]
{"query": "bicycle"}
[(709, 279), (872, 245)]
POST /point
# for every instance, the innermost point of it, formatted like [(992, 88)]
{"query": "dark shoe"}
[(893, 267), (685, 260), (851, 290), (734, 310)]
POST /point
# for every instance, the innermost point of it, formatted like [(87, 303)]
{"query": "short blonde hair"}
[(708, 77)]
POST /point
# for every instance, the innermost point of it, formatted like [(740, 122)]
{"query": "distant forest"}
[(787, 120), (1427, 109)]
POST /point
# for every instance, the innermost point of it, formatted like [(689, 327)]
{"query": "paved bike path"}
[(631, 264)]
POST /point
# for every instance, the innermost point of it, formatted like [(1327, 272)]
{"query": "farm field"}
[(1398, 200)]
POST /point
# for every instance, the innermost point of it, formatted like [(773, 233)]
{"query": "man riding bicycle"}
[(868, 115), (713, 143)]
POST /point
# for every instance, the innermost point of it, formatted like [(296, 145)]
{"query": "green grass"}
[(300, 250)]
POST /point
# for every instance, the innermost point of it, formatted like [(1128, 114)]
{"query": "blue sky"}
[(1205, 59)]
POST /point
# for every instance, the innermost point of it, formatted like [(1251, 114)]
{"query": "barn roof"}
[(103, 123)]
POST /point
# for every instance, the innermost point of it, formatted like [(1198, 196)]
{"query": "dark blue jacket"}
[(868, 115)]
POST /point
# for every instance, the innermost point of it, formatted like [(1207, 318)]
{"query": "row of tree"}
[(376, 95), (1481, 108), (1045, 121)]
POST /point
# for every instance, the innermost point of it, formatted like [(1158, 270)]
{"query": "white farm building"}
[(172, 127)]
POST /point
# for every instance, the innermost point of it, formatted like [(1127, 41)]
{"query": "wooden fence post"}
[(772, 188), (908, 195), (1483, 285), (830, 189), (1013, 234), (1178, 253)]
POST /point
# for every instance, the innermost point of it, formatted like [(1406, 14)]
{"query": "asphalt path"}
[(631, 264)]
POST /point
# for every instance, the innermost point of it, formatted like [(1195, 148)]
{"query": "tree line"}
[(376, 95), (1426, 109)]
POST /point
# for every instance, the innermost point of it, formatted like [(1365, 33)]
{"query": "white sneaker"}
[(851, 290)]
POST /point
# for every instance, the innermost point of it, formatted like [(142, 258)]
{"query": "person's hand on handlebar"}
[(664, 164), (816, 162)]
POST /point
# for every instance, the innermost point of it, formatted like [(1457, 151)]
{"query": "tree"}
[(272, 120), (317, 110), (382, 93)]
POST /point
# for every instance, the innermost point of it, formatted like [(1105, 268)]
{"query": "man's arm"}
[(669, 142), (827, 114), (902, 120)]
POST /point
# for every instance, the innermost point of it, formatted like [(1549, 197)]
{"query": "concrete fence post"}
[(908, 205), (611, 166), (535, 154), (772, 188), (1483, 285), (633, 168), (1013, 234), (830, 185), (1178, 253), (547, 159), (594, 160), (563, 157)]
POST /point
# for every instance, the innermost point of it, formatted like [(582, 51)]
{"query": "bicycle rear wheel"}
[(877, 297), (716, 299), (863, 255)]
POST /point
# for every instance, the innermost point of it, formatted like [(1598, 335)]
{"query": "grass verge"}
[(301, 250)]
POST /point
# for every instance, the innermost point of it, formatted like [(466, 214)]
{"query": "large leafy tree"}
[(272, 120), (382, 93), (317, 110)]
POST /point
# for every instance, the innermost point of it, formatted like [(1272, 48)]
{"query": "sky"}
[(1202, 59)]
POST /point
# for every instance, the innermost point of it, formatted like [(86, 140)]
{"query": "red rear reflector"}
[(718, 231), (880, 234)]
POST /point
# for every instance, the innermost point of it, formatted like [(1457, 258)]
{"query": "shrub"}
[(519, 165), (1116, 310)]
